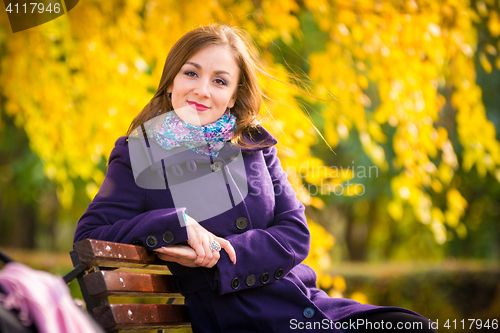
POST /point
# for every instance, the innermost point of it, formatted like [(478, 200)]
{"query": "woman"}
[(199, 182)]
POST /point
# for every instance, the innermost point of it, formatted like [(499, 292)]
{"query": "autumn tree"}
[(385, 75)]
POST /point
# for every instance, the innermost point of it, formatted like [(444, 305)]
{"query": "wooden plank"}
[(93, 252), (125, 284), (115, 317)]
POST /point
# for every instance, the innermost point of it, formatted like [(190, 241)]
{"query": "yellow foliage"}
[(333, 293), (317, 203), (483, 60), (325, 281), (395, 209), (353, 190), (494, 24), (436, 185), (75, 84), (318, 257), (461, 230), (359, 297), (339, 283), (456, 202)]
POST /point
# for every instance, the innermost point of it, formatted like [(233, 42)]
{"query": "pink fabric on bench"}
[(43, 299)]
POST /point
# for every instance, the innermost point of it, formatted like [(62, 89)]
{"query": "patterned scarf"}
[(207, 139)]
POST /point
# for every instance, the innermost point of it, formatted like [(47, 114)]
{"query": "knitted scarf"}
[(207, 139)]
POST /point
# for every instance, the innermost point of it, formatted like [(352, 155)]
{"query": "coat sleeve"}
[(267, 255), (119, 211)]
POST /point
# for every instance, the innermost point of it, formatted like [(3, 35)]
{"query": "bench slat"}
[(92, 252), (114, 317), (93, 260), (124, 284)]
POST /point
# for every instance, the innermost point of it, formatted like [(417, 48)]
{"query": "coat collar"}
[(259, 135)]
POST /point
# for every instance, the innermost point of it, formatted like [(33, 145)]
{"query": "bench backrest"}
[(98, 267)]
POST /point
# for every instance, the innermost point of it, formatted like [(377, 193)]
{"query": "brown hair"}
[(248, 94)]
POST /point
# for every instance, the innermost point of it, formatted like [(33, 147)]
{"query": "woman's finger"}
[(215, 259), (167, 257), (181, 261), (208, 252), (226, 245), (198, 240), (200, 253), (182, 251)]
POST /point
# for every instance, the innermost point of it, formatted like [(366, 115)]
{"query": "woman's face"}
[(205, 86)]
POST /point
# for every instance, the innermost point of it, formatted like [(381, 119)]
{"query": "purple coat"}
[(269, 289)]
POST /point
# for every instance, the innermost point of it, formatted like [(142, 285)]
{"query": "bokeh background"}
[(390, 140)]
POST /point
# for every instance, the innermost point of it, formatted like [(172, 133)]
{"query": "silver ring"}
[(215, 246)]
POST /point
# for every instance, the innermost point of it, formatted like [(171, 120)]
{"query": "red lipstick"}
[(198, 107)]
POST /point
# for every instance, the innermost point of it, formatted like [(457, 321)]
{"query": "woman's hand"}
[(181, 254), (200, 238)]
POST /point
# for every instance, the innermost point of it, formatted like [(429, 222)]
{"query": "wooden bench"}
[(107, 269)]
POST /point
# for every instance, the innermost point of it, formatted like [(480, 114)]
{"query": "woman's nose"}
[(201, 89)]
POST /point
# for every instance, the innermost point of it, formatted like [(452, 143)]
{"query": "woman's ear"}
[(232, 101), (169, 92)]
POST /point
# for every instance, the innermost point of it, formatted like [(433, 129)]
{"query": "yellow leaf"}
[(325, 281), (485, 63), (339, 283), (437, 214), (451, 218), (395, 210), (456, 202), (376, 132), (439, 231), (92, 190), (359, 297), (363, 81), (490, 49), (482, 8), (317, 203), (346, 173), (494, 24), (461, 231), (436, 186)]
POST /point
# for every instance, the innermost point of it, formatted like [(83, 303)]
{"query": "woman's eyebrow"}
[(198, 66)]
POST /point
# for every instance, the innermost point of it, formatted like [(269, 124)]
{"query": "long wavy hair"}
[(248, 94)]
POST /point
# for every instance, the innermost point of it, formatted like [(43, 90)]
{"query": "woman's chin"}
[(190, 115)]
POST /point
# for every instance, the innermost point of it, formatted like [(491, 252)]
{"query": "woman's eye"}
[(190, 73), (221, 82)]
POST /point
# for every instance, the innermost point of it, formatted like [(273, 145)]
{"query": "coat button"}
[(250, 280), (216, 166), (235, 284), (168, 237), (151, 241), (278, 274), (308, 313), (241, 223), (264, 278)]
